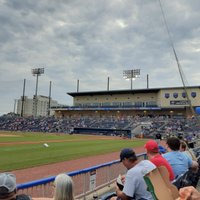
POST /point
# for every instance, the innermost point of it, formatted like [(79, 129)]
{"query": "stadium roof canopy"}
[(133, 91)]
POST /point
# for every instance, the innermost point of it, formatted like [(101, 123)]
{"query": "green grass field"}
[(24, 150)]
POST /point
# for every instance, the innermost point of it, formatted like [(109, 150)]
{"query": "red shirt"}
[(158, 161)]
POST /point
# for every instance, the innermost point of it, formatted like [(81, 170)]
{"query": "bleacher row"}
[(149, 125)]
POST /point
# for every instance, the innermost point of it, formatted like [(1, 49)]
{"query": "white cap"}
[(8, 181)]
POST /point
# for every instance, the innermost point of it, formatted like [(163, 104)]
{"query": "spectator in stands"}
[(156, 158), (162, 149), (179, 161), (8, 188), (134, 185), (189, 193), (158, 136), (184, 148), (63, 188)]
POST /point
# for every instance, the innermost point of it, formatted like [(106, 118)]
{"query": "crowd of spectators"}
[(150, 126), (180, 166), (176, 161), (172, 165), (63, 125)]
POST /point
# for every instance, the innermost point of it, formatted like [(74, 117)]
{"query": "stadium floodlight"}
[(131, 74), (36, 72)]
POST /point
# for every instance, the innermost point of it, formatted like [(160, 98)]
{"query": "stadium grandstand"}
[(125, 113), (143, 102)]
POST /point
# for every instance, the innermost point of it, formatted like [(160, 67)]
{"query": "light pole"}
[(78, 85), (36, 72), (15, 102), (131, 74), (22, 108), (49, 107)]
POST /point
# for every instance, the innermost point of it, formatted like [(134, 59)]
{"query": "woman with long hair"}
[(63, 188)]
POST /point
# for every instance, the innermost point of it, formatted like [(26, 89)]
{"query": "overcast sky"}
[(91, 40)]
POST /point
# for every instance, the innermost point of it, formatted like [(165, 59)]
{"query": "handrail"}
[(45, 181)]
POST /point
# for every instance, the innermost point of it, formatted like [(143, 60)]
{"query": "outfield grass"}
[(23, 155)]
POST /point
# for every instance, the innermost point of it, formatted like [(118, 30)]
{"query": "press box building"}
[(150, 101)]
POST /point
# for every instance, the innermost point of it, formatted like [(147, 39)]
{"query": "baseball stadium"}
[(85, 140), (125, 144)]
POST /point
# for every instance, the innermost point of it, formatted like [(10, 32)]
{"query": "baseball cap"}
[(7, 183), (126, 153), (152, 146)]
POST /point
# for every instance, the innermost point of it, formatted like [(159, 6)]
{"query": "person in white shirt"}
[(134, 184)]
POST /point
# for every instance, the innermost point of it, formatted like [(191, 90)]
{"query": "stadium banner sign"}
[(113, 108), (183, 102), (93, 180)]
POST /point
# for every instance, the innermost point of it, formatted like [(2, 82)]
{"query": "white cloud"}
[(92, 40)]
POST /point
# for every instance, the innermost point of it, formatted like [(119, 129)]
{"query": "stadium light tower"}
[(131, 74), (36, 72)]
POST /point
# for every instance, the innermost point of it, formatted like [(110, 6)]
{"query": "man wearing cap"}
[(8, 188), (134, 185), (156, 158)]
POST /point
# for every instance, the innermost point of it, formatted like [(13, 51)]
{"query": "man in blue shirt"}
[(179, 161)]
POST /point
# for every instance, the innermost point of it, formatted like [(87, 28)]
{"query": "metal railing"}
[(86, 181)]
